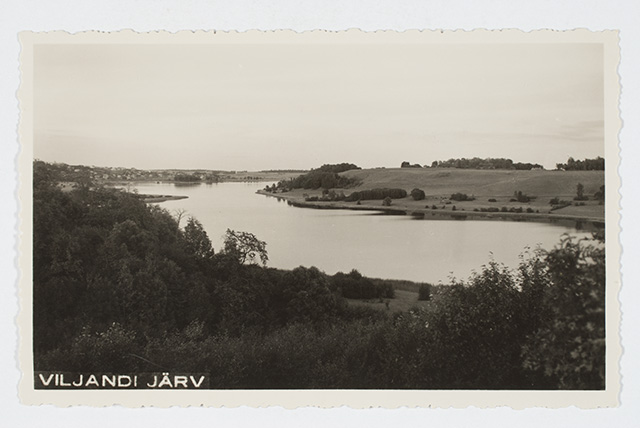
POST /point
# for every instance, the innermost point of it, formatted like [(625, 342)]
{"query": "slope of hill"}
[(489, 183), (492, 193)]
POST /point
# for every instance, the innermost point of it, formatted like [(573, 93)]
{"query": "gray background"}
[(147, 15)]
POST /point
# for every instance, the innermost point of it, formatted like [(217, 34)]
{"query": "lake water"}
[(381, 246)]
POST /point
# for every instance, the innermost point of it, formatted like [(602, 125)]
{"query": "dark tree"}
[(245, 247), (197, 240), (418, 194)]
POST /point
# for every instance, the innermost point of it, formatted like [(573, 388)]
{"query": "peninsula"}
[(535, 195)]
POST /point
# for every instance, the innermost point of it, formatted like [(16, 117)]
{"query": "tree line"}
[(487, 163), (325, 177), (596, 164), (122, 286)]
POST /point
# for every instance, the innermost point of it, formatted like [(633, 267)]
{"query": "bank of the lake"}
[(465, 210)]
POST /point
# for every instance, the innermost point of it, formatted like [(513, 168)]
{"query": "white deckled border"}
[(328, 398)]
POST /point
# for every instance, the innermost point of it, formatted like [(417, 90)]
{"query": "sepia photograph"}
[(321, 211)]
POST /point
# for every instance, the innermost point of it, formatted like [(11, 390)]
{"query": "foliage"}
[(118, 286), (488, 163), (568, 349), (580, 196), (596, 164), (197, 240), (461, 197), (354, 286), (363, 195), (424, 292), (245, 247), (418, 194), (326, 177), (406, 164), (521, 197), (338, 168), (386, 202), (599, 195)]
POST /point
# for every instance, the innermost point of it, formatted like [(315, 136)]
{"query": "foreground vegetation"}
[(121, 286)]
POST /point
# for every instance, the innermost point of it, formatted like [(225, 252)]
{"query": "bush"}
[(355, 286), (492, 200), (374, 194), (424, 292), (521, 197), (461, 197), (418, 194), (386, 202)]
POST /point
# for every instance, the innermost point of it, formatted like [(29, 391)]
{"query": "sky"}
[(298, 106)]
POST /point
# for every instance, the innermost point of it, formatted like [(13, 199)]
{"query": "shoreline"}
[(431, 214)]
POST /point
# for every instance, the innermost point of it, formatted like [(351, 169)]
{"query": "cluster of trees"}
[(325, 177), (406, 164), (338, 167), (461, 197), (488, 163), (418, 194), (376, 194), (596, 164), (119, 286), (518, 196), (353, 285)]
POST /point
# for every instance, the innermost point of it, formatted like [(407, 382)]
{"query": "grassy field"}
[(499, 185), (489, 183)]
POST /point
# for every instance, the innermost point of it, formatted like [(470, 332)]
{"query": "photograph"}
[(321, 211)]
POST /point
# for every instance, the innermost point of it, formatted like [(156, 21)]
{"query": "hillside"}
[(490, 183), (491, 193)]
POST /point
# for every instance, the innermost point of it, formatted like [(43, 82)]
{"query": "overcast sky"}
[(254, 107)]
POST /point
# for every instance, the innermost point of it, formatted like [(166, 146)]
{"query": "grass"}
[(481, 183), (499, 185)]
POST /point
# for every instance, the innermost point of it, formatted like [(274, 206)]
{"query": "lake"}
[(380, 246)]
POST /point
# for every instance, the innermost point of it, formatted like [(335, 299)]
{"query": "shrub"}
[(386, 202), (599, 195), (355, 286), (424, 292), (461, 197), (521, 197), (580, 196), (418, 194), (492, 200)]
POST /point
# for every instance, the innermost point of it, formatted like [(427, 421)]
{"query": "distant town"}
[(82, 173)]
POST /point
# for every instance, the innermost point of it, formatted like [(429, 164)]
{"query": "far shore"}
[(464, 210)]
